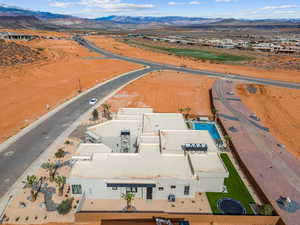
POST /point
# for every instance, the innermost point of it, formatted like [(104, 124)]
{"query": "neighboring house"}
[(165, 160)]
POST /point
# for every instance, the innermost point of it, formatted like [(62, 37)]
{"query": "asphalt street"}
[(16, 158)]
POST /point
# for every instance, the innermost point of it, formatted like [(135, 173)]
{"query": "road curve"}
[(17, 157), (159, 66)]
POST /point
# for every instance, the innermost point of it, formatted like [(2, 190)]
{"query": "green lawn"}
[(197, 53), (235, 186)]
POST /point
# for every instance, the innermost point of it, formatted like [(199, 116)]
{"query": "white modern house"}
[(153, 155)]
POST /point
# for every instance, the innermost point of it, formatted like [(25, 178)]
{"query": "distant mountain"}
[(15, 11), (167, 20), (14, 17)]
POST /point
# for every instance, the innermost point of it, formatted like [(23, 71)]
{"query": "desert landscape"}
[(166, 91), (115, 46), (33, 88), (279, 109)]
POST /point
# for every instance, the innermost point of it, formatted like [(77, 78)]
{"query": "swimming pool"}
[(210, 127)]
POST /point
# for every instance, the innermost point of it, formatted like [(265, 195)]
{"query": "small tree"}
[(65, 206), (95, 114), (31, 182), (60, 153), (106, 110), (60, 182), (128, 197), (181, 110), (51, 168), (266, 210)]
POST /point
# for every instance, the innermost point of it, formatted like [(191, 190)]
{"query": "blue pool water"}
[(210, 127)]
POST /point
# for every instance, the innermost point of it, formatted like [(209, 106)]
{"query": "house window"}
[(131, 189), (161, 188), (114, 188), (186, 190), (76, 189), (173, 186)]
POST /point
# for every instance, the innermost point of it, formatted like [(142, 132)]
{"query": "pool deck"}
[(275, 170)]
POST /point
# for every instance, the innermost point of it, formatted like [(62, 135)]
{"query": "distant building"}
[(153, 155)]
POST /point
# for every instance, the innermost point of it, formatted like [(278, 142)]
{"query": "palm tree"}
[(31, 182), (106, 110), (187, 109), (219, 142), (129, 198), (227, 141), (51, 168), (60, 182), (214, 112)]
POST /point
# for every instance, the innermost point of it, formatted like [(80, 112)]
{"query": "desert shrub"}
[(67, 142), (60, 153), (65, 206), (266, 210)]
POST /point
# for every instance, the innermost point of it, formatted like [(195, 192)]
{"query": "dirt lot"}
[(166, 91), (25, 90), (112, 45), (279, 109)]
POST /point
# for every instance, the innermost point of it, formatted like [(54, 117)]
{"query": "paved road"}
[(159, 66), (27, 148)]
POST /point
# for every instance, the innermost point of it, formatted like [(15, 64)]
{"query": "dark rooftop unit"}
[(194, 147)]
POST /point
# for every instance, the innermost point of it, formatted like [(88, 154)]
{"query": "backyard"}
[(235, 186)]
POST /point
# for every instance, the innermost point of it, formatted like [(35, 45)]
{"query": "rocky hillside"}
[(12, 54)]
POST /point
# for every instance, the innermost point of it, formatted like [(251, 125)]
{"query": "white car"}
[(93, 101)]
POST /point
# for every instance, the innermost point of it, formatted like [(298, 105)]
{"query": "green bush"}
[(60, 153), (266, 210), (65, 206)]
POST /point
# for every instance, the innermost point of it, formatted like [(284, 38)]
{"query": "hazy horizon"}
[(271, 9)]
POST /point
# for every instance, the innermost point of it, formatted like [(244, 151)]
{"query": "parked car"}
[(93, 101)]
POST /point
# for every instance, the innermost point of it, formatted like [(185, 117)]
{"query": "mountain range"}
[(14, 17)]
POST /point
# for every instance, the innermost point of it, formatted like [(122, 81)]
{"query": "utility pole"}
[(79, 86)]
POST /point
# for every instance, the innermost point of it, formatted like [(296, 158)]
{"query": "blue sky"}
[(253, 9)]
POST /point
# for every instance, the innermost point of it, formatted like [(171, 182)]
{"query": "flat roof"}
[(112, 128), (173, 140), (207, 164), (133, 166), (153, 122)]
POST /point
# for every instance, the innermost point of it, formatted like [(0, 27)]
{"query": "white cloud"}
[(172, 3), (195, 3), (112, 6), (279, 7), (58, 4), (224, 0)]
